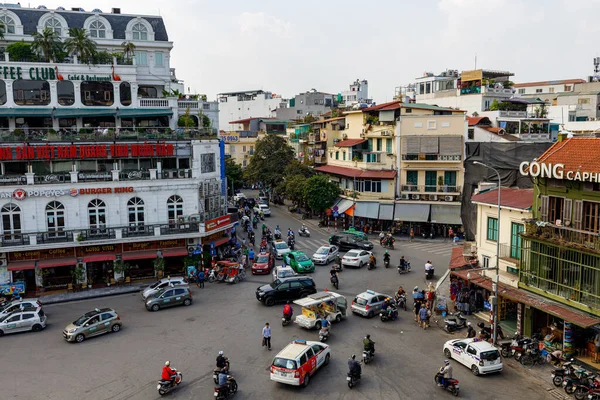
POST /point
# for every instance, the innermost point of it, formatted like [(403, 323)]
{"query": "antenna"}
[(475, 60)]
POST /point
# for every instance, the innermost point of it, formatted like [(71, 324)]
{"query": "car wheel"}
[(475, 370), (187, 302), (370, 314), (448, 354), (155, 307), (269, 302), (79, 338), (115, 328), (327, 359), (36, 328), (360, 265), (1, 333), (306, 380), (338, 318)]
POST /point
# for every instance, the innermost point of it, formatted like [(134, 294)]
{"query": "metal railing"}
[(94, 176), (430, 157), (512, 114), (13, 180), (176, 228), (55, 237), (563, 236), (431, 189), (510, 253), (138, 231), (52, 178), (15, 240), (100, 233), (176, 173), (136, 175), (99, 135)]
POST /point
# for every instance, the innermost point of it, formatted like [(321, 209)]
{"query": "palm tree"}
[(1, 31), (46, 44), (79, 44), (128, 50)]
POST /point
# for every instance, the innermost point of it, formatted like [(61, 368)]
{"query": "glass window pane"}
[(28, 92), (66, 93), (97, 93)]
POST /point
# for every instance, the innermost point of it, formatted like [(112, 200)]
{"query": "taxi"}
[(478, 355), (280, 248), (263, 263), (298, 361)]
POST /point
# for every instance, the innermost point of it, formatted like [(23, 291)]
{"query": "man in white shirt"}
[(428, 266)]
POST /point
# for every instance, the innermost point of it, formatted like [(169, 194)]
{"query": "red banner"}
[(213, 224), (85, 151)]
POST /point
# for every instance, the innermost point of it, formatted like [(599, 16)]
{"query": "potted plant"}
[(80, 237), (159, 266), (107, 281), (78, 274)]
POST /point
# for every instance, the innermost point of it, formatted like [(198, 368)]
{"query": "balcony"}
[(55, 237), (196, 105), (15, 240), (511, 254), (512, 114), (175, 228), (138, 175), (562, 236), (100, 233), (534, 137), (320, 160), (151, 102), (431, 157), (138, 231), (450, 189)]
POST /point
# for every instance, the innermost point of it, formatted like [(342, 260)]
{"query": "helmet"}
[(387, 252), (368, 336), (167, 363), (446, 362), (353, 356), (468, 324), (416, 289), (481, 325), (288, 302), (221, 352)]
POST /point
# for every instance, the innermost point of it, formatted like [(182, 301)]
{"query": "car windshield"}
[(301, 257), (284, 363), (262, 259), (81, 320), (352, 254), (281, 246), (275, 283), (285, 273), (4, 317), (360, 301), (155, 284), (323, 250), (490, 355)]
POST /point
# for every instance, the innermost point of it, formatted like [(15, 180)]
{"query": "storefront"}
[(140, 257), (49, 269), (98, 262)]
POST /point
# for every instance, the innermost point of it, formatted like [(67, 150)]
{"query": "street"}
[(127, 364)]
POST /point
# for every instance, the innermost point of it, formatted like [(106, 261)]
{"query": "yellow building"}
[(241, 142)]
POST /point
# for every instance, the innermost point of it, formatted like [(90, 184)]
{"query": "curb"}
[(91, 296)]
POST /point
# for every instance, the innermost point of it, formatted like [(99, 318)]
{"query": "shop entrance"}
[(141, 269), (99, 272), (27, 276)]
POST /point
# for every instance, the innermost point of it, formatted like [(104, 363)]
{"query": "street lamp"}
[(354, 201), (497, 278)]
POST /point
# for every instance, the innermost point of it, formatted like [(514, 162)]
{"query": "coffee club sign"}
[(85, 151), (48, 74), (22, 194), (556, 171)]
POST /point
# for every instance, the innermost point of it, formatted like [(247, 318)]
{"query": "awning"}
[(445, 214), (367, 210), (386, 212), (145, 112), (138, 255), (26, 112), (343, 205), (546, 305), (84, 112), (176, 252), (57, 262), (219, 242), (99, 257), (350, 211), (21, 265), (411, 212)]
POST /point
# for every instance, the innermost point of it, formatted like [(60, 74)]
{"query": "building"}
[(312, 102), (546, 90), (241, 140), (114, 91), (356, 95), (234, 106)]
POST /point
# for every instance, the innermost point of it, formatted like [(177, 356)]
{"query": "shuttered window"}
[(492, 229), (451, 146), (591, 216), (412, 145), (429, 145), (578, 214), (544, 208), (567, 211)]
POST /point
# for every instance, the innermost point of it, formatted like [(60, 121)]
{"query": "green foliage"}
[(128, 50), (295, 188), (204, 120), (296, 168), (234, 174), (78, 273), (495, 105), (102, 57), (541, 111), (79, 44), (308, 119), (271, 156), (159, 264), (121, 267), (47, 44), (20, 51), (320, 193), (186, 120)]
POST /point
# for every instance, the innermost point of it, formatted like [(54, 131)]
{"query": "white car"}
[(163, 283), (298, 361), (17, 305), (283, 271), (280, 248), (325, 254), (264, 208), (238, 196), (480, 356), (356, 258)]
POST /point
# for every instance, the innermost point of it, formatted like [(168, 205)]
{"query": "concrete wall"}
[(234, 110)]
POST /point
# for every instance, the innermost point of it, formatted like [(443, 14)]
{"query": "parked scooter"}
[(225, 391), (454, 322), (165, 386), (451, 384)]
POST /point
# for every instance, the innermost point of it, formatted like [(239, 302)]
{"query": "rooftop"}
[(577, 154), (395, 105), (478, 121), (356, 173), (259, 91), (349, 142), (520, 199), (548, 83), (328, 120), (246, 120)]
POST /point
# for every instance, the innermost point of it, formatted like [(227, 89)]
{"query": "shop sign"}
[(85, 151), (156, 245), (91, 78), (213, 224), (556, 171), (106, 248), (46, 74), (213, 237), (94, 175), (230, 138), (13, 179), (22, 194), (41, 254)]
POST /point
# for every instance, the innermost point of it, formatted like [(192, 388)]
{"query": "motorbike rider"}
[(381, 236), (372, 260), (222, 362), (222, 380), (402, 262), (428, 266), (484, 333), (290, 232), (333, 275), (368, 344), (354, 366), (446, 372), (288, 311), (324, 323), (470, 331), (277, 232), (168, 373), (302, 229), (386, 257), (400, 292)]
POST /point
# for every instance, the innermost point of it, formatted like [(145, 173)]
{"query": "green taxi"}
[(299, 262)]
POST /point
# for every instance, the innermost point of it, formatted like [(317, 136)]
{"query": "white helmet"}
[(468, 324), (168, 363), (221, 352)]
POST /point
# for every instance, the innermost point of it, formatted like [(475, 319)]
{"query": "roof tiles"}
[(577, 154), (521, 199)]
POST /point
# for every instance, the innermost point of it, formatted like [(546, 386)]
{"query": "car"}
[(25, 319), (263, 264), (325, 254), (93, 323), (359, 234), (280, 248), (299, 262), (283, 271), (15, 305), (356, 258), (478, 355), (238, 196), (262, 207), (163, 283), (368, 304), (346, 241), (263, 200), (291, 288), (298, 361), (169, 297)]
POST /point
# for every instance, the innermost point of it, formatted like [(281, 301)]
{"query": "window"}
[(97, 93), (158, 59), (471, 134), (431, 181), (344, 155), (379, 144), (244, 149), (28, 316), (125, 93), (412, 178), (309, 353), (244, 163), (135, 210), (303, 359), (298, 111), (97, 30), (583, 101), (515, 240), (337, 155), (551, 90), (539, 90), (31, 93), (97, 216), (106, 316), (388, 146), (15, 318), (139, 32), (141, 58), (450, 181), (567, 88), (555, 208), (207, 163), (364, 185), (2, 92), (174, 208), (65, 92), (492, 229), (55, 219), (147, 91), (431, 125), (486, 261), (471, 350), (11, 221), (316, 348), (55, 25), (231, 148), (591, 216), (522, 91), (206, 106), (9, 24)]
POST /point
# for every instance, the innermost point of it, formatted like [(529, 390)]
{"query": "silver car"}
[(93, 323), (280, 248), (325, 254), (15, 305), (368, 304), (163, 283), (26, 319)]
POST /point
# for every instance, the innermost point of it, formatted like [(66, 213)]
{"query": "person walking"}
[(266, 334), (412, 234), (201, 277), (424, 317)]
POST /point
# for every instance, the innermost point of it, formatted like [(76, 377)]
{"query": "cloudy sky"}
[(288, 47)]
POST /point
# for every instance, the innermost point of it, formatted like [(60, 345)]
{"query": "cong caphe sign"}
[(556, 171)]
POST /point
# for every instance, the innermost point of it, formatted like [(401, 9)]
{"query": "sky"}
[(290, 47)]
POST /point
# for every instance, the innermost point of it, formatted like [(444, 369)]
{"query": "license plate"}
[(348, 378), (284, 374), (158, 387), (456, 386), (215, 376), (564, 383), (259, 270), (216, 394)]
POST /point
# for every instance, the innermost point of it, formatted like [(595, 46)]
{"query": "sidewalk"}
[(92, 293)]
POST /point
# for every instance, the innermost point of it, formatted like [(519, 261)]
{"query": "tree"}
[(271, 155), (320, 193), (297, 168), (186, 120), (46, 44), (20, 51), (234, 174), (295, 188), (79, 44), (2, 30), (128, 50), (495, 105), (203, 120)]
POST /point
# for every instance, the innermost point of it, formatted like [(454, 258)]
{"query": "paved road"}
[(127, 365)]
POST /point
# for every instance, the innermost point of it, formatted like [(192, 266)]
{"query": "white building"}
[(546, 90), (235, 106), (358, 93)]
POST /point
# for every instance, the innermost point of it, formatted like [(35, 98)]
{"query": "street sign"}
[(212, 245), (213, 252), (335, 214), (335, 208), (196, 252)]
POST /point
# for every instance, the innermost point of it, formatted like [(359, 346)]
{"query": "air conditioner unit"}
[(183, 219), (195, 218), (415, 197), (449, 198), (433, 197), (405, 196), (362, 135), (190, 249)]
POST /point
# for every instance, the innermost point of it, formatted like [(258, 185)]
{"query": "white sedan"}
[(356, 258), (480, 356), (264, 208), (280, 249), (325, 254)]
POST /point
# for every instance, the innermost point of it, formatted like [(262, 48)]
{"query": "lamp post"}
[(354, 200), (497, 280)]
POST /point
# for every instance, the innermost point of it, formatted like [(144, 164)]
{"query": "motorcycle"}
[(518, 346), (352, 379), (402, 269), (224, 391), (212, 276), (304, 232), (286, 319), (386, 262), (323, 334), (335, 281), (559, 374), (429, 273), (217, 370), (578, 378), (389, 315), (337, 267), (451, 384), (371, 265), (291, 243), (255, 222), (387, 242), (454, 322), (277, 235), (367, 356), (401, 301), (588, 387), (165, 386)]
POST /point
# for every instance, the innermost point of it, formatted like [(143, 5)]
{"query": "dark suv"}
[(282, 289), (346, 241)]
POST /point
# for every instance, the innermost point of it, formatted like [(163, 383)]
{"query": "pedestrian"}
[(416, 309), (412, 234), (424, 314), (266, 334), (201, 277), (430, 297), (251, 255)]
